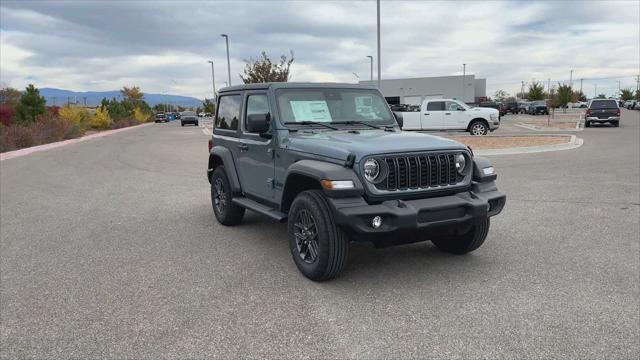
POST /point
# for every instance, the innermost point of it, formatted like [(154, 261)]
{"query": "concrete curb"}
[(45, 147), (574, 143), (579, 127)]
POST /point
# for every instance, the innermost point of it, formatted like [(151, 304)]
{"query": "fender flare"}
[(321, 170), (226, 159)]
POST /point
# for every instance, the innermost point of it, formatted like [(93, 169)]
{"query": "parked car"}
[(630, 104), (207, 115), (523, 107), (538, 107), (449, 114), (494, 105), (332, 161), (511, 107), (201, 114), (189, 117), (601, 111), (160, 117)]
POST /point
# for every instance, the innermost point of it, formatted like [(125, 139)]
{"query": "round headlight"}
[(461, 163), (371, 169)]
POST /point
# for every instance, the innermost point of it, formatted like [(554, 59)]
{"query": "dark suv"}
[(332, 162), (538, 107), (601, 111)]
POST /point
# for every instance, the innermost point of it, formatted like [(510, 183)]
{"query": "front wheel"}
[(478, 128), (318, 246), (587, 124), (467, 242)]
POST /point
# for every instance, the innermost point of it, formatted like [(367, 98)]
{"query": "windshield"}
[(188, 113), (333, 105), (540, 103), (603, 104)]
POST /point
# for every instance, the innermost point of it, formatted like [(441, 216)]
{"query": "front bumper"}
[(494, 124), (610, 118), (420, 214)]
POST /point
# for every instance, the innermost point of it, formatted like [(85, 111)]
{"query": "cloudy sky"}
[(163, 46)]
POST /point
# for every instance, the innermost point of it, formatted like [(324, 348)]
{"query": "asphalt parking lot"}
[(109, 248)]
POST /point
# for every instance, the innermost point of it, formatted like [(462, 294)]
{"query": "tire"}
[(197, 123), (478, 128), (227, 213), (321, 254), (615, 123), (467, 242), (181, 123), (587, 124)]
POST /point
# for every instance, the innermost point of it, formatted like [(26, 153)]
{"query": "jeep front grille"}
[(419, 171)]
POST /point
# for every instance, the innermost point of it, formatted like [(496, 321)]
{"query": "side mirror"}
[(258, 123), (399, 119)]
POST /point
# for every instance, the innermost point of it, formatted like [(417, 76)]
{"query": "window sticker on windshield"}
[(311, 111)]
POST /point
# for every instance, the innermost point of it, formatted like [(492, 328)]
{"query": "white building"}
[(414, 90)]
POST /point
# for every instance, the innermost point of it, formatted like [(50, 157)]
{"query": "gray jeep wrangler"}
[(332, 161)]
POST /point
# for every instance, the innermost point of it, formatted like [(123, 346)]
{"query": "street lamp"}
[(226, 38), (357, 77), (371, 58), (379, 61), (213, 80), (571, 78), (464, 72)]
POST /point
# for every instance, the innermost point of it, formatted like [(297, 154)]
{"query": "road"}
[(109, 248)]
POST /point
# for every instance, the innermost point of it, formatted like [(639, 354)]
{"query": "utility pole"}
[(549, 102), (464, 72), (54, 100), (68, 100), (618, 87), (226, 38), (379, 60), (371, 58), (84, 100), (522, 91), (595, 91), (213, 80)]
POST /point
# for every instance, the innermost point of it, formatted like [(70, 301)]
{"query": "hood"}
[(484, 110), (339, 144)]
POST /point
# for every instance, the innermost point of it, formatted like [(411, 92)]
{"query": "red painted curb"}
[(44, 147)]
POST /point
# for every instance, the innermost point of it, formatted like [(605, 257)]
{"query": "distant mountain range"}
[(93, 98)]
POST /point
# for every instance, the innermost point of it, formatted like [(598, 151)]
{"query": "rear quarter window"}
[(603, 104), (228, 113)]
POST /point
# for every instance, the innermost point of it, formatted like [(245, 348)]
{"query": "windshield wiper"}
[(311, 123), (354, 122)]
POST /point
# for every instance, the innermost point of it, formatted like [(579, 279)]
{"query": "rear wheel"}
[(467, 242), (615, 123), (225, 210), (318, 246), (478, 128), (587, 124)]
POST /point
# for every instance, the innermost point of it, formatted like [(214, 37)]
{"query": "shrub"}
[(48, 128), (140, 115), (7, 114), (125, 122), (31, 106), (101, 120), (78, 116)]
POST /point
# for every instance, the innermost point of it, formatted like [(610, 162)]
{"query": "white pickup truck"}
[(449, 114)]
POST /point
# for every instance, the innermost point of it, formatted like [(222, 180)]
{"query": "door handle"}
[(447, 113), (243, 147), (427, 114)]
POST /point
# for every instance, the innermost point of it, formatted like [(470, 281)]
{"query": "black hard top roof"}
[(293, 85)]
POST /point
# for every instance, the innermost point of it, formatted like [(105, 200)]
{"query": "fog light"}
[(376, 222)]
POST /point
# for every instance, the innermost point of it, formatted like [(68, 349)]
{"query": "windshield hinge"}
[(351, 159)]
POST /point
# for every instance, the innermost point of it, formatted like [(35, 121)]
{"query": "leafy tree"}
[(104, 103), (563, 95), (536, 91), (208, 106), (140, 115), (78, 116), (262, 70), (626, 94), (501, 95), (579, 96), (638, 94), (10, 96), (31, 105), (117, 109), (601, 96), (132, 94)]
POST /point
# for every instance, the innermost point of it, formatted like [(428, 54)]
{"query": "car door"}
[(256, 156), (432, 115), (455, 116)]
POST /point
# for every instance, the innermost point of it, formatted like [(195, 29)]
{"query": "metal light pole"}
[(371, 58), (379, 61), (581, 85), (464, 73), (226, 38), (595, 91), (213, 80), (571, 78)]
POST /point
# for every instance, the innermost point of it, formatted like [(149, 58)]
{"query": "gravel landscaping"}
[(505, 142)]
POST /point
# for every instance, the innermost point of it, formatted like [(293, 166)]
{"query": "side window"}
[(452, 106), (435, 106), (257, 104), (228, 112)]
